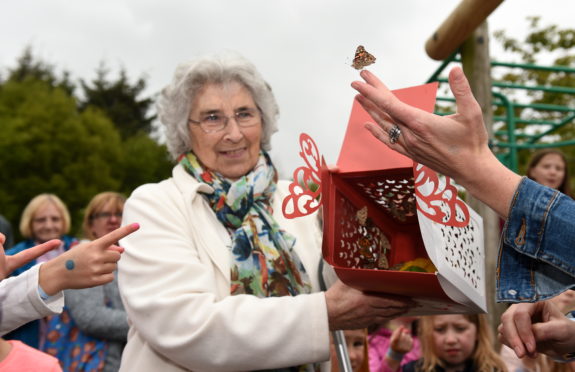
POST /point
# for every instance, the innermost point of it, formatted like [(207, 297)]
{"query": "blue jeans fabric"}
[(537, 249)]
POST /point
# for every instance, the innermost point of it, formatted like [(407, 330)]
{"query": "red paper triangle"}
[(363, 152)]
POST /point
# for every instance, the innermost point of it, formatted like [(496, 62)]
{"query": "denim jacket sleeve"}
[(536, 253)]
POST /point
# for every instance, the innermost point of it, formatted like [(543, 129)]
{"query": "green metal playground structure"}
[(514, 132)]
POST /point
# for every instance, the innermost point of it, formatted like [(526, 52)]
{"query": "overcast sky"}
[(302, 47)]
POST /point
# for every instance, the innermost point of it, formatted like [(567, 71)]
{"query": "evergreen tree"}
[(119, 99), (31, 67)]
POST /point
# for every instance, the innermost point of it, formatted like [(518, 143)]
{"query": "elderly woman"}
[(96, 315), (218, 280), (44, 218)]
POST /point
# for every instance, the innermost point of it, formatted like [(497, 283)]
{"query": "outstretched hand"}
[(86, 265), (446, 144), (11, 263), (454, 145)]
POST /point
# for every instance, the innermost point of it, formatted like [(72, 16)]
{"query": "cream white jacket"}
[(174, 280)]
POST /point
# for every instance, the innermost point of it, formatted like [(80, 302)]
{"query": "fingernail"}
[(517, 350), (136, 225)]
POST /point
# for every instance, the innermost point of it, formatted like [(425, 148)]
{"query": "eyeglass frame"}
[(253, 110), (106, 215)]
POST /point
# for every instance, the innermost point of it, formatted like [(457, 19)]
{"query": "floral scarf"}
[(263, 261)]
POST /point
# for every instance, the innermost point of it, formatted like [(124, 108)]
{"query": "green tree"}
[(145, 161), (52, 143), (48, 146), (120, 100), (542, 45)]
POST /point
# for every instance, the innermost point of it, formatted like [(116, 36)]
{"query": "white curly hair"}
[(175, 100)]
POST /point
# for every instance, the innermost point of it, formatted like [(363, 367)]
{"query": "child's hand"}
[(401, 340)]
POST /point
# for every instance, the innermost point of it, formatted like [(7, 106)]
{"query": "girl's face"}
[(356, 343), (550, 171), (454, 337)]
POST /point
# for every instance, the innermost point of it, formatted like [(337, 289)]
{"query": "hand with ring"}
[(454, 145)]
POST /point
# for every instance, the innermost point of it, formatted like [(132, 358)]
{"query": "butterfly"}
[(362, 58)]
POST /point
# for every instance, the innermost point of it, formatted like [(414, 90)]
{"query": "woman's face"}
[(106, 220), (550, 171), (47, 223), (233, 151), (454, 337)]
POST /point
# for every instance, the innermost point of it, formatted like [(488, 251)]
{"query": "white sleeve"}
[(21, 302)]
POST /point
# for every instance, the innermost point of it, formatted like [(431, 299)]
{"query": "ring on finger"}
[(394, 134)]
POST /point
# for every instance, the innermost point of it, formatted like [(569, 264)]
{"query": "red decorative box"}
[(381, 210)]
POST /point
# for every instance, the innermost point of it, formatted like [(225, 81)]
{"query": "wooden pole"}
[(460, 24), (477, 67)]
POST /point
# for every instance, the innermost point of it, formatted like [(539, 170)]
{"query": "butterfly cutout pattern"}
[(305, 190), (450, 217), (437, 199), (395, 194), (461, 251), (362, 58)]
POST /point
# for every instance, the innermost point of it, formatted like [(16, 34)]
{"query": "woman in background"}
[(96, 312), (44, 218)]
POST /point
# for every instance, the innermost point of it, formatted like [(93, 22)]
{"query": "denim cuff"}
[(535, 256)]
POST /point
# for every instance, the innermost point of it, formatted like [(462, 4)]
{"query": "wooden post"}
[(456, 28), (477, 68)]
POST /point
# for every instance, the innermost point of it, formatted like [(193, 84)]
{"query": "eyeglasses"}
[(215, 122), (106, 215)]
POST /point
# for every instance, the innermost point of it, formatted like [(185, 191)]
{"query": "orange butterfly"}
[(362, 58)]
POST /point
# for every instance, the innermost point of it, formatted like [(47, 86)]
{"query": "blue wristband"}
[(43, 295), (394, 355)]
